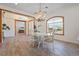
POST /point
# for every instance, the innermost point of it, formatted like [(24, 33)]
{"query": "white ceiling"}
[(31, 8)]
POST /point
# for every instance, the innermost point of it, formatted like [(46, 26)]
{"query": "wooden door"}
[(0, 26)]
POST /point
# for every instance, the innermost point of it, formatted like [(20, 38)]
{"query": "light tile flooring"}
[(21, 46)]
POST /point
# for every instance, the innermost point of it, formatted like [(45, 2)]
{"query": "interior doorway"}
[(20, 27)]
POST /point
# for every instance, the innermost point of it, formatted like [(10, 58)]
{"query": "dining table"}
[(40, 38)]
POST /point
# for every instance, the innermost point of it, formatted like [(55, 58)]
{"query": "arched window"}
[(56, 23)]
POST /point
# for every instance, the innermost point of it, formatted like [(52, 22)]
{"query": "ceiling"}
[(31, 8)]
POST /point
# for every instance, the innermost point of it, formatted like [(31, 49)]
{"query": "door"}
[(0, 26)]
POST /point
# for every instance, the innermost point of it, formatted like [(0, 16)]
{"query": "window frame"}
[(55, 17)]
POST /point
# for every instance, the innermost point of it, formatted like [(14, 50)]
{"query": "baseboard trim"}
[(67, 41)]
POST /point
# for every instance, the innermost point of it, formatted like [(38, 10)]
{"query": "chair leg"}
[(38, 44)]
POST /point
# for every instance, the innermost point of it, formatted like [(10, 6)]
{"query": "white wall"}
[(9, 19), (71, 23), (10, 23), (31, 27)]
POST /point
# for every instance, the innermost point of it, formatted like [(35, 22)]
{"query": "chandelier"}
[(16, 3), (40, 15)]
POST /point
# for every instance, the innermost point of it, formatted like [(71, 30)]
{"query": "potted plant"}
[(5, 27)]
